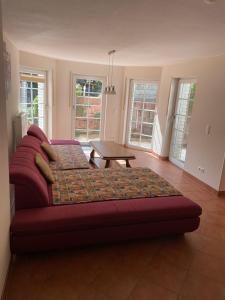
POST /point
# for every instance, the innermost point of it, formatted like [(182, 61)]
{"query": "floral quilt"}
[(81, 186), (69, 157)]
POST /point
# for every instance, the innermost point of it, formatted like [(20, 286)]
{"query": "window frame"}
[(130, 101), (45, 103), (178, 162), (74, 77)]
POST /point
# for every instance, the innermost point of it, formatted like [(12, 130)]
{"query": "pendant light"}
[(110, 88)]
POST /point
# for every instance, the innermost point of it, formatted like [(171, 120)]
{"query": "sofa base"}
[(65, 240)]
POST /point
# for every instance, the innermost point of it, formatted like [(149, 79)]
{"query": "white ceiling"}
[(144, 32)]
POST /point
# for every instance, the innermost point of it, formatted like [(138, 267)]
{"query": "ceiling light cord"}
[(112, 68), (110, 88)]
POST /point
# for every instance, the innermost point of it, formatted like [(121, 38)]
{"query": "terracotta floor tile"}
[(199, 287), (178, 251), (212, 231), (165, 274), (90, 293), (117, 281), (209, 266), (146, 290), (206, 245)]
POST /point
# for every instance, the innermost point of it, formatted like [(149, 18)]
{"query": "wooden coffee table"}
[(110, 151)]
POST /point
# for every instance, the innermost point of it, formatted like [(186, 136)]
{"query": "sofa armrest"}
[(64, 142)]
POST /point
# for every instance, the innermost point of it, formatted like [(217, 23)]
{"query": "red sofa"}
[(36, 132), (38, 225)]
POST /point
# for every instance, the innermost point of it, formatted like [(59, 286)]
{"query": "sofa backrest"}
[(37, 132), (33, 143), (31, 188)]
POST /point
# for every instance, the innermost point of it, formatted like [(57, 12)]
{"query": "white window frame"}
[(46, 106), (74, 77), (129, 112), (176, 161)]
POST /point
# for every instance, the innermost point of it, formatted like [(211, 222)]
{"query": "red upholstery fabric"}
[(102, 214), (65, 142), (34, 143), (35, 131), (62, 240), (31, 189), (62, 227)]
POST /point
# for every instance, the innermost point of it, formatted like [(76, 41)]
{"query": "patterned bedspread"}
[(69, 157), (78, 186)]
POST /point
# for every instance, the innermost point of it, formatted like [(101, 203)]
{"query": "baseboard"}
[(156, 155), (159, 156), (211, 189), (221, 193)]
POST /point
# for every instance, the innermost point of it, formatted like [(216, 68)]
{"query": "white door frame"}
[(74, 77), (175, 161), (129, 114), (24, 69)]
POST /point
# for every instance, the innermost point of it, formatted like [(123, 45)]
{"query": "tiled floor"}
[(189, 267)]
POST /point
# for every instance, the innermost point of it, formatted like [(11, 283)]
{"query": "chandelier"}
[(110, 88)]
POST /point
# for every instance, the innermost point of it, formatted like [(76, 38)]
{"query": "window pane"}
[(147, 129), (88, 101), (32, 97), (93, 135), (135, 138), (148, 116), (182, 119), (81, 135), (94, 111), (146, 140), (142, 114), (81, 123), (93, 124), (135, 127), (81, 111)]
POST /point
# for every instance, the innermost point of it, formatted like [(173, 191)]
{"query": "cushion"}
[(31, 188), (37, 132), (49, 151), (44, 168), (33, 143)]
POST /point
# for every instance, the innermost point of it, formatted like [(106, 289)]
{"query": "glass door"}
[(88, 109), (33, 97), (182, 118), (141, 113)]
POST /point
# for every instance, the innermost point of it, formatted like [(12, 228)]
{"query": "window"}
[(182, 118), (33, 96), (141, 114), (87, 109)]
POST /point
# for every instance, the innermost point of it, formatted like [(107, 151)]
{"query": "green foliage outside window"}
[(81, 111), (35, 107), (97, 115)]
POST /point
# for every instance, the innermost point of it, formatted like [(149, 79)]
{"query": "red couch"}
[(36, 132), (38, 225)]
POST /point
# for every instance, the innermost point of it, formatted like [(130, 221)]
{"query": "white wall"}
[(4, 181), (12, 101), (64, 70), (203, 150)]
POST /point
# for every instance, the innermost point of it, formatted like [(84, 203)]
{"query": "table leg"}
[(92, 156), (128, 164), (107, 163)]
